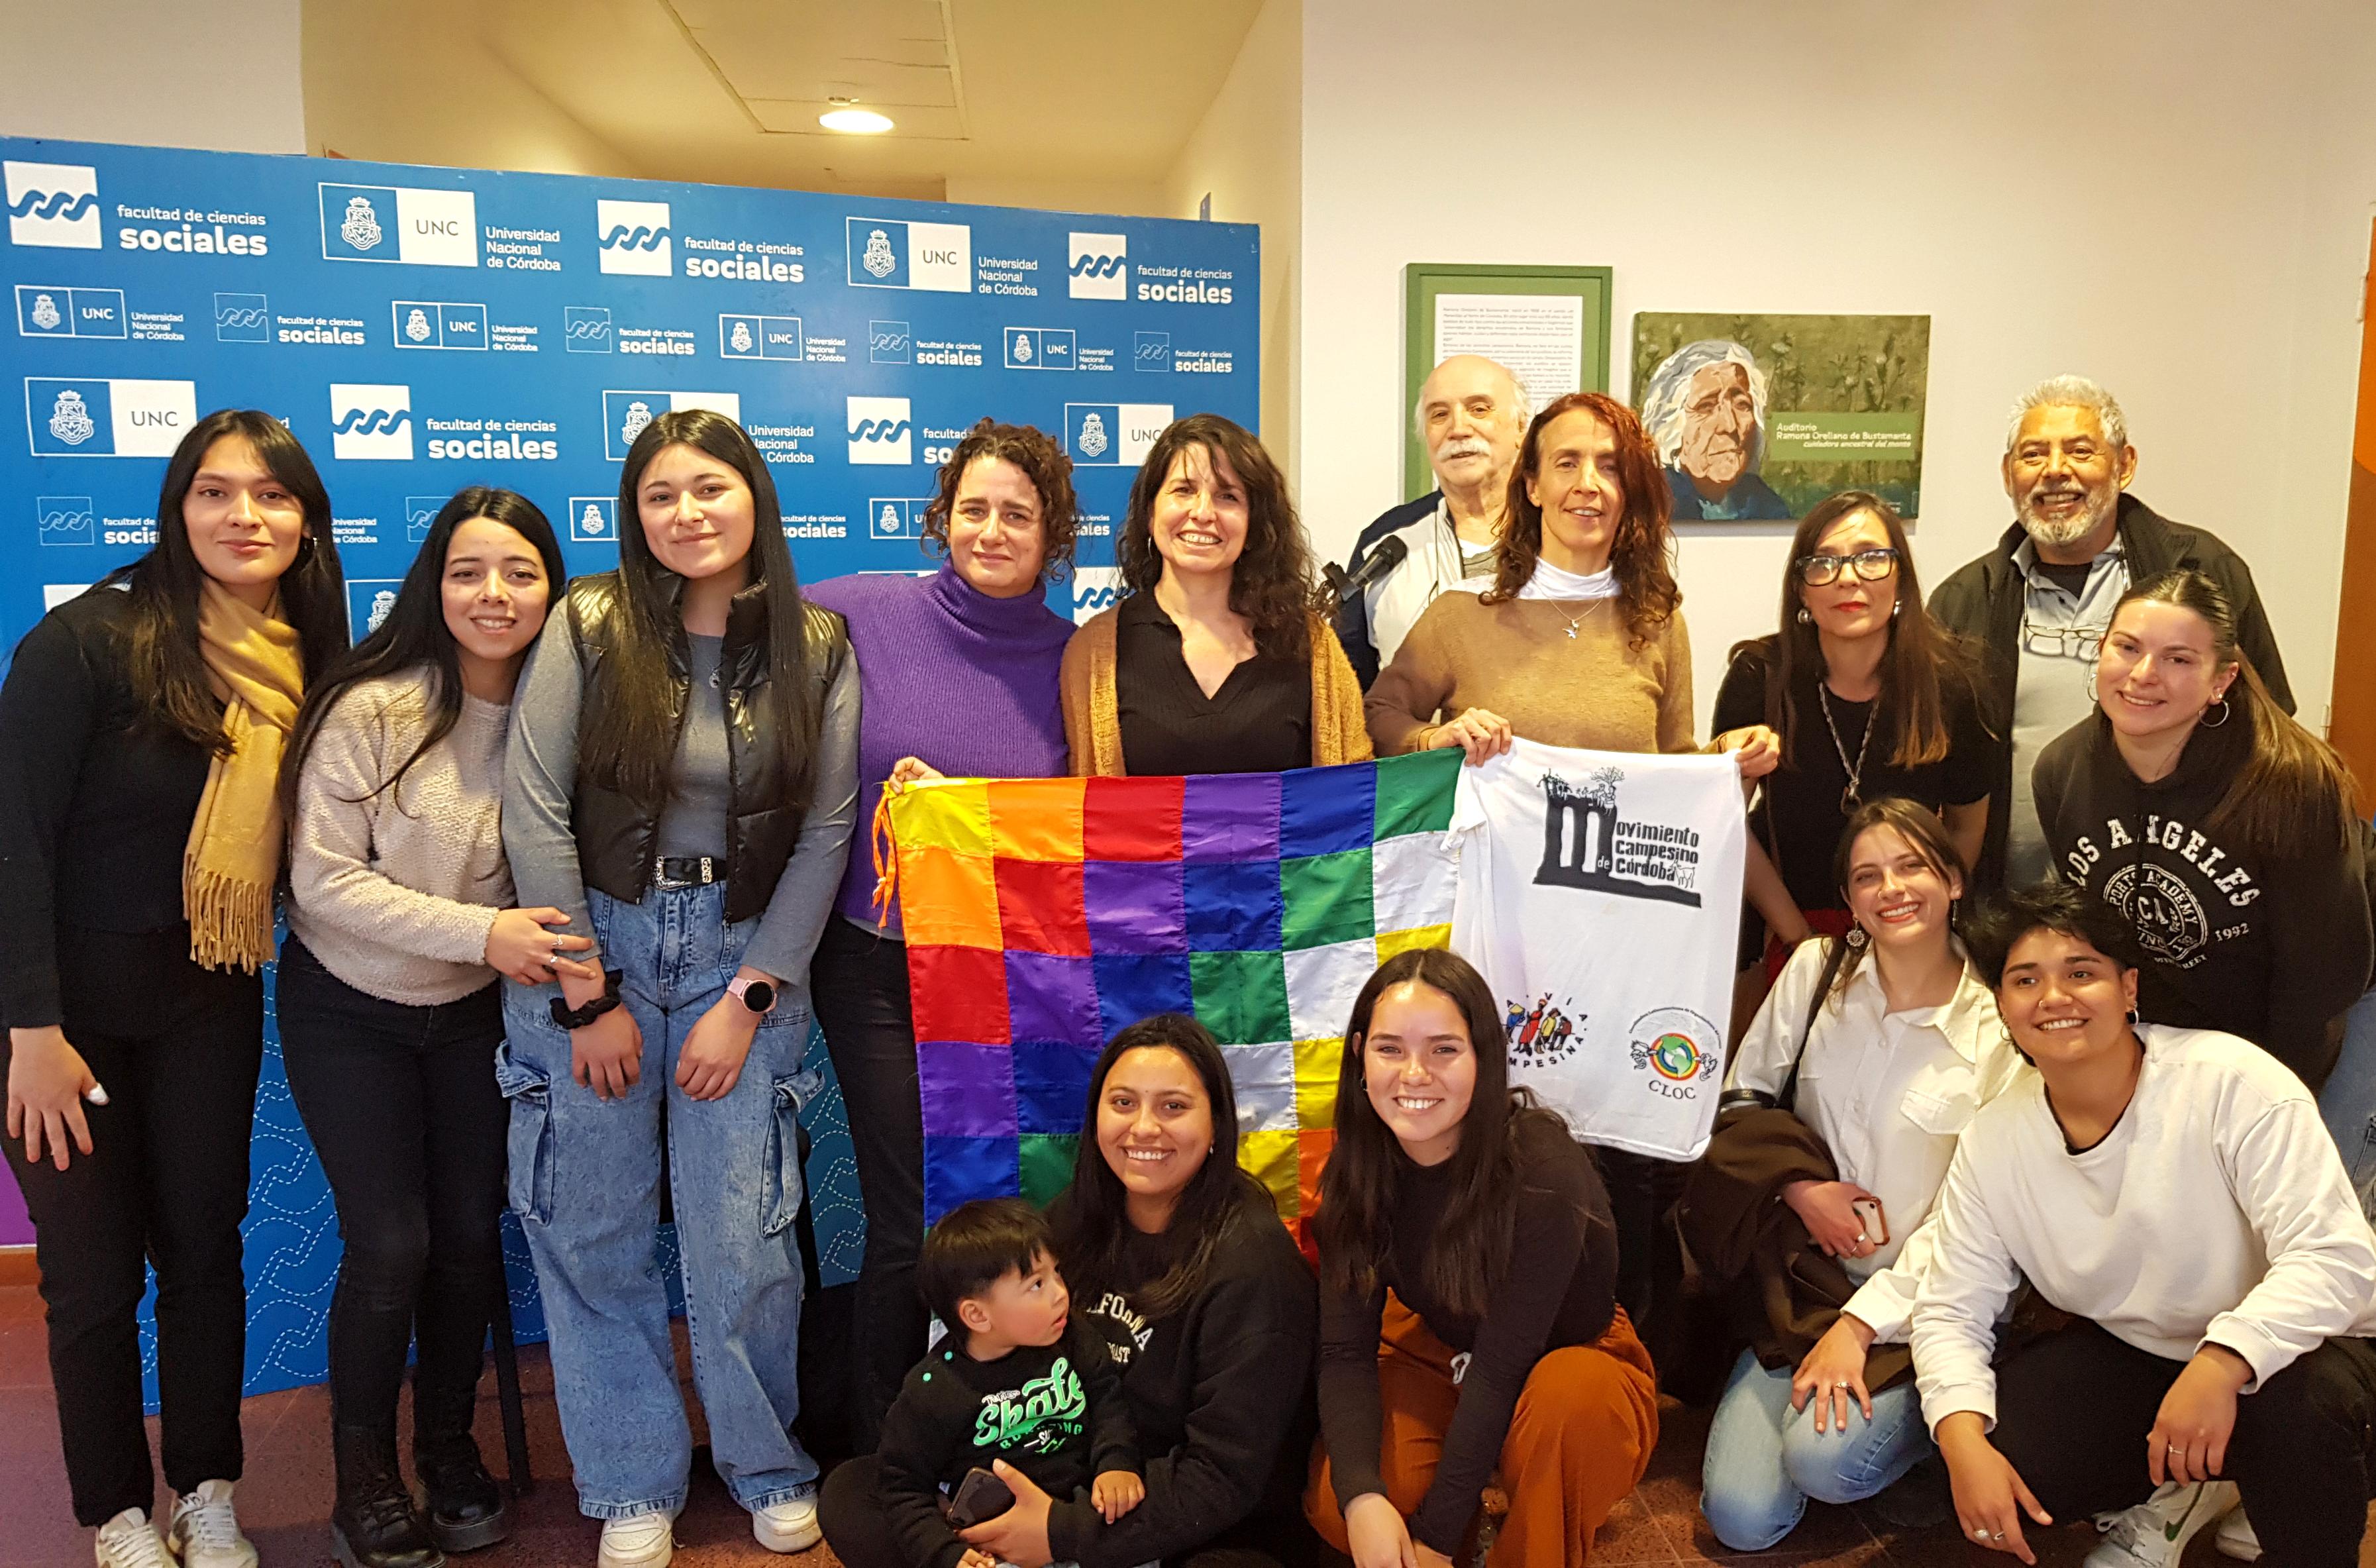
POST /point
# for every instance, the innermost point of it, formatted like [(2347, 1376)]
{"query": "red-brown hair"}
[(1641, 554)]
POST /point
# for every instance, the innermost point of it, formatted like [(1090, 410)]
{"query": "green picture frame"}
[(1425, 282)]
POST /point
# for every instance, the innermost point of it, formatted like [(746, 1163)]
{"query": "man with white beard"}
[(1470, 416), (2038, 604)]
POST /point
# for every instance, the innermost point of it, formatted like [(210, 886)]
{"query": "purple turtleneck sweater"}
[(949, 674)]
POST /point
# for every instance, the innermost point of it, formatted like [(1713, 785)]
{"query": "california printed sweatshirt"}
[(2274, 950)]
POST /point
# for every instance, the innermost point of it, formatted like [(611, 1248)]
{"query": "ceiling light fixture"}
[(855, 122)]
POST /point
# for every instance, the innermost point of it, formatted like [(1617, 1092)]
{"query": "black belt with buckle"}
[(687, 870)]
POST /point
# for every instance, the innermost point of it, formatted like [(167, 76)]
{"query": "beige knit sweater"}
[(396, 897), (1517, 659)]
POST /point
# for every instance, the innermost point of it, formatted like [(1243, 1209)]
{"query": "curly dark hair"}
[(1273, 585), (1642, 552), (1043, 462)]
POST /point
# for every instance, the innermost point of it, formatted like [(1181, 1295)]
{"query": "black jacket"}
[(1984, 601), (617, 835), (1055, 1412), (95, 811), (2273, 950), (1353, 615)]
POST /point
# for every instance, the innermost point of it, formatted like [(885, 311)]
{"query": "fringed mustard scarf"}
[(255, 663)]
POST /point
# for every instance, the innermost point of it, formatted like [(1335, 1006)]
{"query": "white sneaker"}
[(2154, 1533), (2236, 1539), (205, 1532), (129, 1540), (640, 1540), (789, 1526)]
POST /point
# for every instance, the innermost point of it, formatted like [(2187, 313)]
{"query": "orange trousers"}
[(1579, 1438)]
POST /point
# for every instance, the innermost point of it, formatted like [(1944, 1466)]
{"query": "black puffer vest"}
[(618, 837)]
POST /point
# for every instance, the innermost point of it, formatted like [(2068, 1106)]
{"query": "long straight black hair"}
[(415, 633), (169, 674), (631, 720), (1471, 1249), (1092, 1217)]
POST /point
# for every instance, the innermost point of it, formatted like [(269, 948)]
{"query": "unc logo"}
[(1023, 348), (1093, 435), (590, 524), (742, 338), (45, 312), (889, 522), (639, 414), (878, 258), (382, 602), (360, 228), (416, 326), (70, 421)]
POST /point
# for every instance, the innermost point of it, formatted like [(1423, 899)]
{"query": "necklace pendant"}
[(1848, 802), (1572, 625)]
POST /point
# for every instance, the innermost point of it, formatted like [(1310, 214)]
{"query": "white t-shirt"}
[(2216, 1210), (1600, 894), (1888, 1093)]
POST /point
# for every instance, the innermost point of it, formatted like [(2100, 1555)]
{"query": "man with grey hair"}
[(1704, 410), (1471, 414), (2038, 602)]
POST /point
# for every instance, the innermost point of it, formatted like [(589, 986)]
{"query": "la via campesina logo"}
[(1676, 1049), (1544, 1033)]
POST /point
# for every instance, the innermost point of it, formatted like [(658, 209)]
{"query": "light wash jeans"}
[(2348, 1102), (1765, 1460), (585, 1182)]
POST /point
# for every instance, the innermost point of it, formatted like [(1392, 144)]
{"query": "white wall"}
[(1247, 154), (415, 84), (2171, 197), (219, 74)]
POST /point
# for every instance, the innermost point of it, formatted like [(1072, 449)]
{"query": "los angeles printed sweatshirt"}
[(2274, 950)]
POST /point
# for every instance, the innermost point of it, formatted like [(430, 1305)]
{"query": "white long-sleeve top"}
[(2216, 1211), (1889, 1094), (396, 895)]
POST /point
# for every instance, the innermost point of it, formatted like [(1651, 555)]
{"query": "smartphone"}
[(1876, 1227), (980, 1496)]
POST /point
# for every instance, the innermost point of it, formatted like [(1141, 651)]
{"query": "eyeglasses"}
[(1871, 565), (2062, 642)]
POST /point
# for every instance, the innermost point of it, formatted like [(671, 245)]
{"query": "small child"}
[(1014, 1378)]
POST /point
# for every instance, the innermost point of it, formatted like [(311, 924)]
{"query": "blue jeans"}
[(585, 1182), (1764, 1459), (2348, 1100)]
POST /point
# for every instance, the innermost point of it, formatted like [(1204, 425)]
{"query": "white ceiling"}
[(729, 90)]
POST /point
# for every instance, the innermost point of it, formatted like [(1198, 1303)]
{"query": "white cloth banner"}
[(1599, 894)]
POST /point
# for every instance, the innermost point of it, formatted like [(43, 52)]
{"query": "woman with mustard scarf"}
[(141, 731)]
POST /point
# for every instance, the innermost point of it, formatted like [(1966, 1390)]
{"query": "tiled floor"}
[(285, 1498)]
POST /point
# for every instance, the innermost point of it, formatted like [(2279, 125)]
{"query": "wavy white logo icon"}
[(53, 204), (369, 423), (879, 430), (634, 238), (1098, 267)]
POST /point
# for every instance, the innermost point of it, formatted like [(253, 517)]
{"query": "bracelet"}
[(570, 1017)]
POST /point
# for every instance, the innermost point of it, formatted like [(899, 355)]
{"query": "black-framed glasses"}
[(1871, 565)]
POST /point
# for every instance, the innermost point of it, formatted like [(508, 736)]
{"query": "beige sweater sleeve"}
[(1409, 692), (1675, 697), (336, 873)]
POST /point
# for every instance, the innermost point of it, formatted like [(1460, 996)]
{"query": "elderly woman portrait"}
[(1706, 412)]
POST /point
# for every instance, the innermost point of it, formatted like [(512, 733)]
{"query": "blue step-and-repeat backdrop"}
[(420, 329)]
